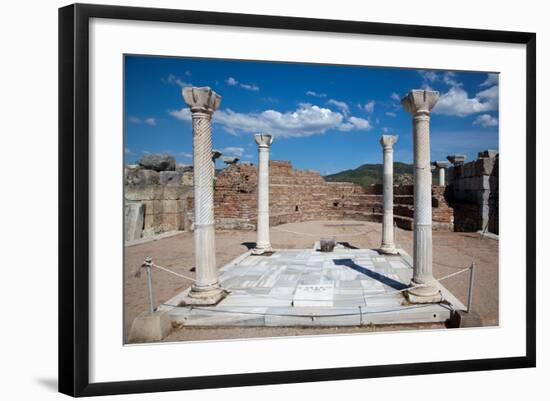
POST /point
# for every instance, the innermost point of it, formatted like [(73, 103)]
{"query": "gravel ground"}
[(451, 252)]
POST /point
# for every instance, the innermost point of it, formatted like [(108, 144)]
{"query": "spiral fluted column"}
[(206, 290)]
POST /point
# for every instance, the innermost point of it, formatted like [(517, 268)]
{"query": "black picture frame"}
[(74, 198)]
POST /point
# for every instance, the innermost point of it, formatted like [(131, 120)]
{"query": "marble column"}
[(203, 102), (262, 229), (441, 166), (388, 246), (424, 288)]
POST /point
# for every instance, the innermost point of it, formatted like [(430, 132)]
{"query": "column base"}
[(204, 297), (388, 250), (424, 295), (261, 250)]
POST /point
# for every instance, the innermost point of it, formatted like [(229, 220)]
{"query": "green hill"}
[(369, 174)]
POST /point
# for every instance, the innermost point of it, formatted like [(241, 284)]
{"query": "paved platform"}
[(306, 287)]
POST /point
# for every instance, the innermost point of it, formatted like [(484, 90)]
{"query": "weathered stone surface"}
[(172, 178), (149, 327), (230, 160), (183, 168), (133, 220), (488, 153), (143, 177), (158, 162), (456, 160)]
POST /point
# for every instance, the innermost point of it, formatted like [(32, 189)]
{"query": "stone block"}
[(158, 162), (147, 177), (133, 220), (148, 327), (187, 178), (484, 166), (143, 192), (488, 153), (172, 178), (172, 206)]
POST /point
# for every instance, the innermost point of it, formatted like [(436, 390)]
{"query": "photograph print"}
[(269, 199)]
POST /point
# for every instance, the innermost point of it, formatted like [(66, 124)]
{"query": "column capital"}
[(387, 141), (456, 159), (263, 140), (440, 164), (420, 102), (201, 100), (216, 154)]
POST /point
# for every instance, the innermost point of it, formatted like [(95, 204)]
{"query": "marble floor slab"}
[(307, 287)]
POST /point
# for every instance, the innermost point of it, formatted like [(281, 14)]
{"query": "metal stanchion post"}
[(147, 264), (471, 286)]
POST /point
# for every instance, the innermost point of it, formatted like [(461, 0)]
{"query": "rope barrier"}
[(312, 316), (344, 298), (173, 272)]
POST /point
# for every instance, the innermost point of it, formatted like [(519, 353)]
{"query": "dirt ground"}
[(452, 251)]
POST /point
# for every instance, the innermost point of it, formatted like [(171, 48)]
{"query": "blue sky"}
[(324, 118)]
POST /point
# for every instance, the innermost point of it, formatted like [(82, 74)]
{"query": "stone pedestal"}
[(423, 289), (388, 245), (206, 290), (148, 327), (263, 243)]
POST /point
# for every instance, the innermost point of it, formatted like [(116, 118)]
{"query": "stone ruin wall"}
[(165, 199), (473, 193), (297, 195), (156, 201)]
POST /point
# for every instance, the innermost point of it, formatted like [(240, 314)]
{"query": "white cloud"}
[(316, 94), (187, 155), (449, 79), (150, 121), (429, 76), (355, 123), (391, 114), (395, 96), (233, 151), (369, 107), (250, 87), (486, 120), (127, 151), (456, 102), (341, 105), (174, 80), (182, 114), (306, 120), (492, 79), (231, 81), (187, 73)]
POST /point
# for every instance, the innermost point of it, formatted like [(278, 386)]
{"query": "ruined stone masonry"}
[(297, 195), (473, 192)]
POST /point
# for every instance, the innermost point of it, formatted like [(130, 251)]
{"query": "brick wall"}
[(297, 195)]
